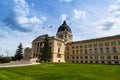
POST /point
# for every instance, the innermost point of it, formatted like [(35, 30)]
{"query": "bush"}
[(4, 59)]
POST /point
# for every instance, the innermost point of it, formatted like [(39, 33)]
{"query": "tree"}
[(46, 50), (19, 51)]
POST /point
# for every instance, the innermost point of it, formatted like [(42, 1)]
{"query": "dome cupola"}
[(64, 27)]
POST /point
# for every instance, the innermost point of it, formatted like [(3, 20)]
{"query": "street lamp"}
[(6, 53)]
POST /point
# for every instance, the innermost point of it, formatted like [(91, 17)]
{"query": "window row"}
[(108, 62), (85, 51), (98, 44), (93, 57)]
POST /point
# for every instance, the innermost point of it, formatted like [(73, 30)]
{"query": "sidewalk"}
[(18, 63)]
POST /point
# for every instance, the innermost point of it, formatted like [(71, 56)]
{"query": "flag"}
[(50, 26), (43, 27)]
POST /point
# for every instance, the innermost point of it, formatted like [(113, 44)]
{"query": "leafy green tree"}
[(46, 50), (19, 51)]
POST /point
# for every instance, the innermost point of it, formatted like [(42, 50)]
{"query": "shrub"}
[(5, 59)]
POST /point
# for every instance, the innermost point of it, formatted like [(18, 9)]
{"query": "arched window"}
[(96, 50), (114, 50), (85, 51), (107, 50), (101, 50), (90, 51)]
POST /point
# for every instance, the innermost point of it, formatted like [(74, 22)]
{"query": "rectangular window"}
[(108, 57), (81, 57), (113, 43), (73, 57), (101, 50), (85, 51), (40, 43), (76, 51), (102, 57), (81, 46), (115, 57), (59, 44), (96, 51), (76, 46), (68, 53), (86, 57), (106, 43), (77, 57), (58, 49), (58, 55), (81, 51), (114, 50), (119, 42), (90, 51), (65, 35), (96, 57), (91, 57), (90, 45), (100, 44), (107, 50), (72, 47), (68, 48), (95, 45), (67, 57)]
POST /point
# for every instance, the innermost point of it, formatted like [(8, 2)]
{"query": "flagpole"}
[(45, 28)]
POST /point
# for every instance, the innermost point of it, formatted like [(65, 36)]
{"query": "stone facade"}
[(101, 50), (57, 48), (63, 49), (27, 55)]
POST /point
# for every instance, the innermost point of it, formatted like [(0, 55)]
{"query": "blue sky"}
[(21, 21)]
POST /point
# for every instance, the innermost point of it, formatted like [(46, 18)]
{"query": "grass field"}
[(62, 71)]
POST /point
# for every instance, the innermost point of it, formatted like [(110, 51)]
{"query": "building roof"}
[(96, 39), (64, 27), (42, 37)]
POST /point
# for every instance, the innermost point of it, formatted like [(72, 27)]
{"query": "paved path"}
[(18, 63)]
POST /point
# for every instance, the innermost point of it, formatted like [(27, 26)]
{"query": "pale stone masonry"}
[(100, 50), (63, 49)]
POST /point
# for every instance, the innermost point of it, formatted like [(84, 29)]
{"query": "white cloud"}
[(22, 11), (111, 22), (115, 8), (21, 8), (63, 17), (110, 25), (79, 14), (106, 24), (66, 1), (23, 18)]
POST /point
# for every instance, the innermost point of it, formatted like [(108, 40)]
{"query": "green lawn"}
[(62, 71)]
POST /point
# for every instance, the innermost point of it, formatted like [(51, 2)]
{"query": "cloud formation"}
[(63, 17), (19, 18), (113, 21), (79, 14)]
